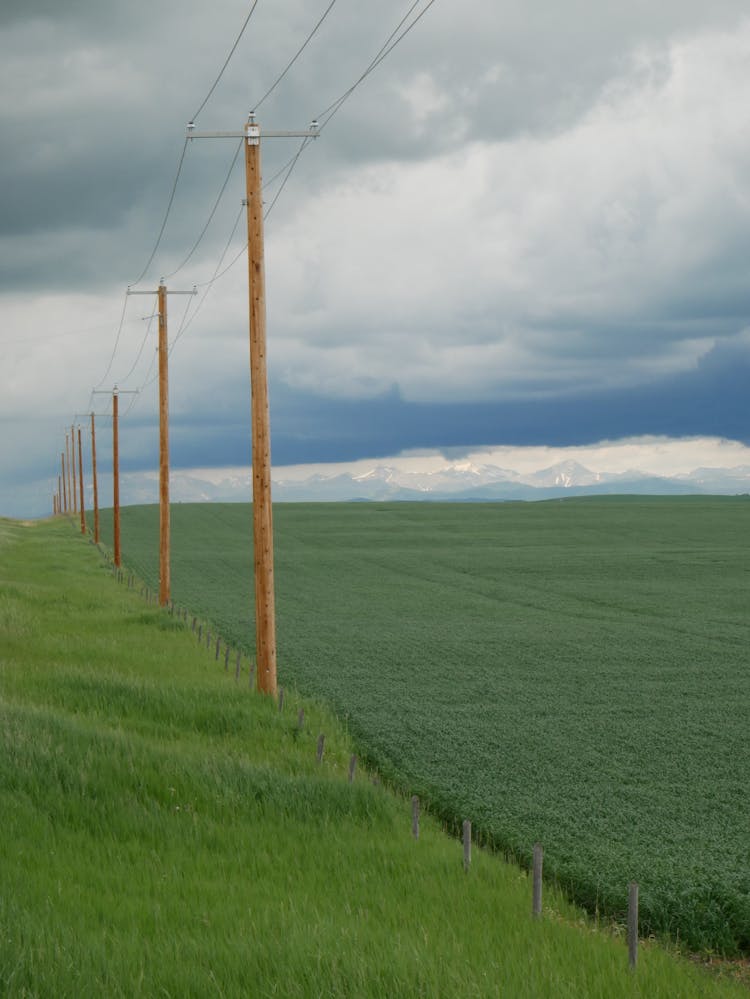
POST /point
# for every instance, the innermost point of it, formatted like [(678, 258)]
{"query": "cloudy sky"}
[(529, 225)]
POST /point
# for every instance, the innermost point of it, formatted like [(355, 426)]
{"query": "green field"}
[(573, 672), (167, 832)]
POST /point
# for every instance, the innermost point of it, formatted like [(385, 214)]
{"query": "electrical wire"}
[(388, 46), (166, 216), (197, 243), (291, 165), (226, 62), (117, 340), (296, 56), (140, 351)]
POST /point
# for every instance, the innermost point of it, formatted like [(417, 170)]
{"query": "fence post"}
[(536, 903), (300, 719), (321, 744), (281, 699), (226, 659), (352, 768), (218, 646), (415, 816), (239, 665), (467, 844), (633, 924)]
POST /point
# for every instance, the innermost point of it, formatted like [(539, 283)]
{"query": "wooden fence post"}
[(415, 816), (633, 924), (281, 699), (321, 744), (467, 844), (301, 719), (239, 665), (352, 768), (536, 903), (218, 645)]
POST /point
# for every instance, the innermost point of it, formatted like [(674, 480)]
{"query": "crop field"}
[(575, 672)]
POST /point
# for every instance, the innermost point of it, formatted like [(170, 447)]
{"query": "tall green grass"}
[(574, 672), (165, 831)]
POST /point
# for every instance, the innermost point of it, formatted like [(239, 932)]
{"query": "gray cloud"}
[(525, 201)]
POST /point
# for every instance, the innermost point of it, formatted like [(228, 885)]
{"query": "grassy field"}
[(167, 832), (572, 672)]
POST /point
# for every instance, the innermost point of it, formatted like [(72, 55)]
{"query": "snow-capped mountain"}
[(468, 481), (431, 476)]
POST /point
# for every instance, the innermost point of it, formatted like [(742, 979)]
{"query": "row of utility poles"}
[(265, 618)]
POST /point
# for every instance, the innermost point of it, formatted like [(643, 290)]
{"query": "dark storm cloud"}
[(532, 219)]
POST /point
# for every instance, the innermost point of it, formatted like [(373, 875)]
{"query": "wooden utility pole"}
[(165, 583), (69, 502), (59, 494), (80, 476), (164, 555), (116, 477), (116, 393), (65, 491), (93, 476), (73, 465), (265, 615), (265, 612)]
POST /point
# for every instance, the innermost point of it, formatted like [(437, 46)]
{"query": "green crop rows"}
[(574, 672)]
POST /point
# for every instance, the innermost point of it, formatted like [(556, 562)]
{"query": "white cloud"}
[(551, 259)]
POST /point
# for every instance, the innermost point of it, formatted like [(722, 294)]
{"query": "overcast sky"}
[(530, 225)]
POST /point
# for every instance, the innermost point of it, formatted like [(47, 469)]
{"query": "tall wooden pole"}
[(73, 464), (116, 477), (164, 557), (93, 475), (265, 615), (69, 501), (59, 494), (80, 476)]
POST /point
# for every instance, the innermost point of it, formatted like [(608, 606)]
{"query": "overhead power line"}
[(206, 99), (117, 340), (220, 195), (386, 48), (296, 56), (166, 216)]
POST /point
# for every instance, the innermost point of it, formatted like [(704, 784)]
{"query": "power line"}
[(140, 351), (166, 216), (197, 243), (226, 61), (386, 48), (291, 165), (296, 56), (117, 340)]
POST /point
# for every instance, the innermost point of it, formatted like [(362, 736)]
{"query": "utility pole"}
[(80, 475), (69, 502), (93, 475), (73, 461), (116, 468), (164, 529), (116, 476), (265, 613), (65, 491), (59, 495)]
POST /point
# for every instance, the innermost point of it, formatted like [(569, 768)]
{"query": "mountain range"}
[(458, 481)]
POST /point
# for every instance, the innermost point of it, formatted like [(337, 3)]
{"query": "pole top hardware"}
[(252, 132)]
